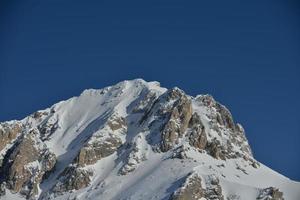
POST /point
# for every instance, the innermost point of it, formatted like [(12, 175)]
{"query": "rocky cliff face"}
[(195, 187), (26, 163), (135, 136)]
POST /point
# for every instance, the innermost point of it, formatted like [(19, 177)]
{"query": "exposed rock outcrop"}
[(197, 137), (222, 114), (270, 193), (8, 132), (116, 123), (73, 178), (28, 162), (216, 150), (137, 155), (48, 127), (195, 188), (179, 116), (98, 148), (134, 140), (145, 103), (213, 188), (190, 190), (233, 135), (103, 142)]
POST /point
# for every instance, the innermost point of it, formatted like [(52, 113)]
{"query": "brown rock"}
[(8, 133), (190, 190), (221, 121), (216, 150), (116, 123), (97, 149), (225, 117), (197, 137), (26, 165), (179, 117)]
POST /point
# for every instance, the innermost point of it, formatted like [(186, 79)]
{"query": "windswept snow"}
[(136, 170)]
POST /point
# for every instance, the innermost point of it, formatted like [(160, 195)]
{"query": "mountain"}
[(134, 140)]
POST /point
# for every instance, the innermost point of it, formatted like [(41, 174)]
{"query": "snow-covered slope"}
[(134, 140)]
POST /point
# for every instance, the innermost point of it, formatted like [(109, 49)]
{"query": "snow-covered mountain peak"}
[(134, 140)]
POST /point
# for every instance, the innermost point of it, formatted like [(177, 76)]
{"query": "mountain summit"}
[(134, 140)]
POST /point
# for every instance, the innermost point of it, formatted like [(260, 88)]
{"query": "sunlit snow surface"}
[(157, 175)]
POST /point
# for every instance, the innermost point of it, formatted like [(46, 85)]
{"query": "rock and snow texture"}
[(134, 140)]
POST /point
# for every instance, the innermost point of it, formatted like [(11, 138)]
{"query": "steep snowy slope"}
[(134, 140)]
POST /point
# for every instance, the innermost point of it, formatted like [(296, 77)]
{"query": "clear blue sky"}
[(245, 53)]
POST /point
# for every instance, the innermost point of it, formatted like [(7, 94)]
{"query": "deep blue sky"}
[(246, 54)]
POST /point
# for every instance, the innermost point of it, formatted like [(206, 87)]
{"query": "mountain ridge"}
[(108, 143)]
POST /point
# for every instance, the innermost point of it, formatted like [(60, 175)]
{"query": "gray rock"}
[(47, 128), (146, 103), (270, 193), (213, 188), (2, 189), (73, 178)]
